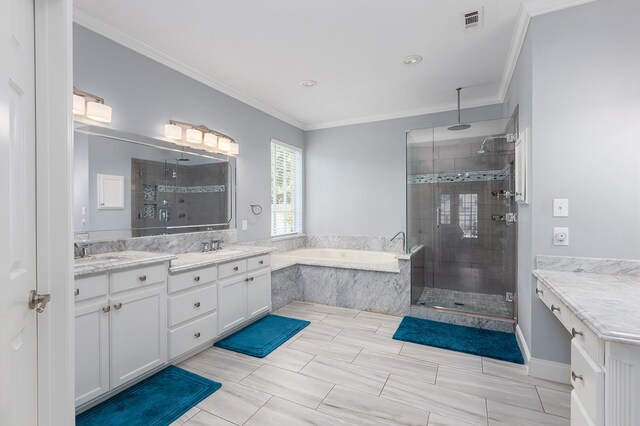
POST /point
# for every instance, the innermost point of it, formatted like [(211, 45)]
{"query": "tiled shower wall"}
[(480, 258)]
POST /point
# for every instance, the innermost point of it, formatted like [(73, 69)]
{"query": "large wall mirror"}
[(128, 185)]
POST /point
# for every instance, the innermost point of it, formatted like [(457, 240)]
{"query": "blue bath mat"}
[(263, 336), (470, 340), (158, 400)]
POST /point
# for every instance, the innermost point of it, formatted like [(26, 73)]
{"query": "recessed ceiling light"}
[(412, 60), (308, 83)]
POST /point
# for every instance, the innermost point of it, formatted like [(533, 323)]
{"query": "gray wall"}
[(356, 175), (145, 95), (585, 98)]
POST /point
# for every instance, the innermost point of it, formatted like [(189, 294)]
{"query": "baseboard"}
[(550, 370), (541, 368)]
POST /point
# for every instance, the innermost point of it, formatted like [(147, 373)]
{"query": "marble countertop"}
[(607, 304), (187, 261), (283, 260), (117, 260)]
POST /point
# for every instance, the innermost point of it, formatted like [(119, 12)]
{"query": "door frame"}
[(54, 197)]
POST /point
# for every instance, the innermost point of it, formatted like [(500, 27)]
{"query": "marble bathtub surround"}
[(354, 242), (383, 292), (413, 387), (119, 260), (607, 304), (590, 265), (338, 258), (174, 243)]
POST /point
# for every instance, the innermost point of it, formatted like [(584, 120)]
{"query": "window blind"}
[(286, 189)]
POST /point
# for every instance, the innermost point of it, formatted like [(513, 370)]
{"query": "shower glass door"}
[(461, 211)]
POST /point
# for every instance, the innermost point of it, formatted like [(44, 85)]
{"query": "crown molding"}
[(95, 25)]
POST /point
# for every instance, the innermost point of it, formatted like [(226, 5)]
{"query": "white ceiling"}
[(259, 51)]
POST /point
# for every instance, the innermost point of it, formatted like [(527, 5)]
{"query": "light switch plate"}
[(560, 207), (560, 236), (245, 225)]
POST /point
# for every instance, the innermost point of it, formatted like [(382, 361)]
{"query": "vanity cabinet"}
[(92, 350), (245, 293), (604, 374), (138, 334), (120, 328), (193, 309)]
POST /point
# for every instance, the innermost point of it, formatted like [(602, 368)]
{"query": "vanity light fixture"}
[(200, 137), (95, 108), (172, 131), (194, 136), (224, 144), (211, 140)]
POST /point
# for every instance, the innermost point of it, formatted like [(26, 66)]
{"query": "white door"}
[(259, 293), (18, 345), (232, 305), (92, 350), (138, 328)]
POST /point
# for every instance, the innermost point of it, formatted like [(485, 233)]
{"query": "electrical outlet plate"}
[(560, 236)]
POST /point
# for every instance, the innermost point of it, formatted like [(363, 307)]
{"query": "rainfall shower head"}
[(459, 125)]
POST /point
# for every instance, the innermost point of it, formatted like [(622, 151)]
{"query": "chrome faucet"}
[(403, 239), (206, 247), (216, 244), (81, 250)]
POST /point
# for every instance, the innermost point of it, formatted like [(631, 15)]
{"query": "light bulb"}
[(172, 131), (234, 149), (78, 105), (211, 140), (224, 144), (194, 136)]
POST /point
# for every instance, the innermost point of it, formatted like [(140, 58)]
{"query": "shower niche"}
[(462, 212)]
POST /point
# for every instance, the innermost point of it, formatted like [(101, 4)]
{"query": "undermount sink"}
[(224, 252), (95, 259)]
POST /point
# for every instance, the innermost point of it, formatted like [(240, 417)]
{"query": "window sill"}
[(288, 237)]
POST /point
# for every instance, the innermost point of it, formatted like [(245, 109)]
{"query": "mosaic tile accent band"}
[(191, 189), (480, 176)]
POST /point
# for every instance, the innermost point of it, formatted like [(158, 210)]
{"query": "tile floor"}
[(345, 369), (480, 303)]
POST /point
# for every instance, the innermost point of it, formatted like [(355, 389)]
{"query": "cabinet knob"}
[(106, 309), (575, 332), (261, 262), (555, 308), (117, 305), (246, 280), (196, 279), (76, 292), (197, 335), (196, 305), (235, 268), (538, 291), (251, 279), (574, 376), (142, 278)]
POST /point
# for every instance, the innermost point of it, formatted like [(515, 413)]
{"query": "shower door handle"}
[(438, 211)]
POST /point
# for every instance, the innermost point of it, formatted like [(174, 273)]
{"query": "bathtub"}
[(338, 258)]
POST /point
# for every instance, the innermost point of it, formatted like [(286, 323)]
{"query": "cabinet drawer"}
[(258, 262), (138, 277), (192, 304), (92, 286), (554, 304), (582, 334), (232, 268), (192, 335), (189, 279), (588, 382)]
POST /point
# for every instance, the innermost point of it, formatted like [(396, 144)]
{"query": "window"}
[(468, 215), (445, 209), (286, 189)]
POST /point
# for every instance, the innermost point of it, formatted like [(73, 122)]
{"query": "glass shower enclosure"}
[(461, 218)]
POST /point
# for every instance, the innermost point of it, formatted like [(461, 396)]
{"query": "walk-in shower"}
[(460, 209)]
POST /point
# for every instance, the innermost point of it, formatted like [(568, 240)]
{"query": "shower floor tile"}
[(480, 303)]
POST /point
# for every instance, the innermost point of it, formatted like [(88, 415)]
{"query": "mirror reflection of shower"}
[(509, 137)]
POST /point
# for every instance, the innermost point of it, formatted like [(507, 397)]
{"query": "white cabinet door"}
[(232, 306), (138, 334), (258, 293), (92, 350)]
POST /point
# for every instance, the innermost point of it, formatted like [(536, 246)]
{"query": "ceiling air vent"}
[(472, 19)]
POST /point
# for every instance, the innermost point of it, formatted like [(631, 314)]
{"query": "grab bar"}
[(438, 211)]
